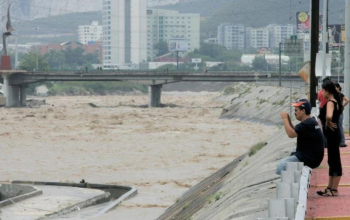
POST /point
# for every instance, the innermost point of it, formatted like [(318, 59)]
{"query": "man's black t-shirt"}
[(310, 144)]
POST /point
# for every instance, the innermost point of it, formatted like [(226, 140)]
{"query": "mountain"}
[(60, 24), (202, 7), (254, 13), (154, 3)]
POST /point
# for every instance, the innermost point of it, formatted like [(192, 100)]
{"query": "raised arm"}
[(288, 126)]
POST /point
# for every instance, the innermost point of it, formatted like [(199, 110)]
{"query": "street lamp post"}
[(339, 45), (37, 50)]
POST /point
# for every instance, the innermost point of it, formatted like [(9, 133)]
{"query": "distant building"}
[(164, 25), (211, 41), (90, 33), (41, 90), (124, 32), (90, 48), (257, 37), (231, 36), (272, 59), (278, 33)]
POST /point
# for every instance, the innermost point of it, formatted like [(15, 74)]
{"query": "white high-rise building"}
[(231, 36), (90, 33), (278, 33), (164, 25), (258, 37), (124, 32)]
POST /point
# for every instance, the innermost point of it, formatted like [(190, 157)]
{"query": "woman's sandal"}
[(334, 192), (326, 192)]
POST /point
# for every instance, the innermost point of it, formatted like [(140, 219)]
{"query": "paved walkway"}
[(53, 199), (327, 208)]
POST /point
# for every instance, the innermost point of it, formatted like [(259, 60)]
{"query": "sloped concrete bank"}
[(243, 189)]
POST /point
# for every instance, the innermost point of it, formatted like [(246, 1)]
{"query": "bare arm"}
[(290, 122), (345, 101), (329, 116), (288, 126)]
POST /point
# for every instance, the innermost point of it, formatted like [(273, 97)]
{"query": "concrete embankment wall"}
[(244, 190)]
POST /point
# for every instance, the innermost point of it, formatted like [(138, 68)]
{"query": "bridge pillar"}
[(6, 84), (23, 96), (155, 92), (10, 92), (12, 96)]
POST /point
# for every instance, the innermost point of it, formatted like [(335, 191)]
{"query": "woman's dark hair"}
[(329, 87), (337, 85)]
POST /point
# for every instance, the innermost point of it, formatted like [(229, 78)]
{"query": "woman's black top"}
[(336, 115)]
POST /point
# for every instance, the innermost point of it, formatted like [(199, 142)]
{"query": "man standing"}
[(310, 143)]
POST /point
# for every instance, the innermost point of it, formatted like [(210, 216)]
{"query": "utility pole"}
[(280, 64), (16, 54), (177, 60), (315, 8), (324, 38), (327, 43), (37, 50), (347, 62)]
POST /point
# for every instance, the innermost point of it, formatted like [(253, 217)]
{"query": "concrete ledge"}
[(25, 192), (120, 193), (77, 207)]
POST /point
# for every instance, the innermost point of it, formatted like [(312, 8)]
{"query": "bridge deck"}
[(154, 77)]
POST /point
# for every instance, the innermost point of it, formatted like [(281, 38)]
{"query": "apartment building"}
[(163, 25), (257, 37), (278, 33), (90, 33), (231, 36), (124, 32)]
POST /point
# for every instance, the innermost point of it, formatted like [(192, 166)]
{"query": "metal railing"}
[(291, 194)]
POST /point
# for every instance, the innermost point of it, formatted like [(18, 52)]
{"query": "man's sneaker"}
[(343, 145)]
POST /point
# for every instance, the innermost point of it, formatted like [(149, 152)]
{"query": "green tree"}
[(28, 62), (196, 54), (75, 58), (230, 66), (215, 52), (162, 48), (251, 50), (13, 57), (259, 63), (211, 50), (55, 58), (231, 55)]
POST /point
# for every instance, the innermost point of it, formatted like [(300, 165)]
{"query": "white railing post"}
[(291, 194)]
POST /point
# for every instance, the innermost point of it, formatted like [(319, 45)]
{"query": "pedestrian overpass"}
[(16, 81)]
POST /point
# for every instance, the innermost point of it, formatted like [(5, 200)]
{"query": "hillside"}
[(248, 12), (60, 24), (251, 12), (203, 7)]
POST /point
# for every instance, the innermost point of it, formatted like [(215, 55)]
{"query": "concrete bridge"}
[(16, 81)]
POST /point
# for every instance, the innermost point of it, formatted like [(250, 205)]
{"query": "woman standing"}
[(334, 109), (345, 102)]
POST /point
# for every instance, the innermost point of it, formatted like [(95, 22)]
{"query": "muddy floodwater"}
[(114, 140)]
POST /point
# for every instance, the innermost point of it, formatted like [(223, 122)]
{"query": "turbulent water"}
[(115, 140)]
